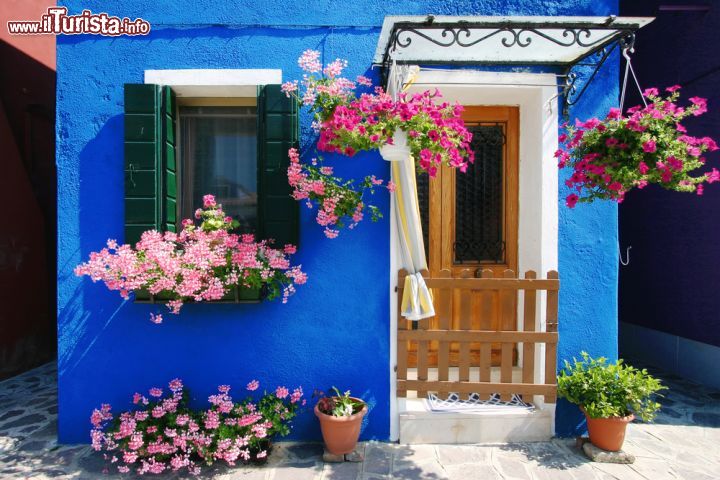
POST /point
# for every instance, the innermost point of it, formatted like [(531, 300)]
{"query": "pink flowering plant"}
[(349, 122), (201, 263), (163, 434), (340, 202), (647, 145)]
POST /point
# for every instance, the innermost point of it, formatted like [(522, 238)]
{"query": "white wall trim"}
[(214, 82), (536, 96)]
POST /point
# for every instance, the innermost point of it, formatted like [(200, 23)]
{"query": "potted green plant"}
[(340, 417), (610, 395)]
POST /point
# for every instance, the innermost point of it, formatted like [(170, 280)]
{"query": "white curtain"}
[(417, 301)]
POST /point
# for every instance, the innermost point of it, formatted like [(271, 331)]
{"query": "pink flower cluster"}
[(340, 203), (201, 263), (349, 122), (162, 434), (436, 132), (647, 145)]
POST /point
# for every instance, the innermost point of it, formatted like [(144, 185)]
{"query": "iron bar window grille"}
[(479, 197)]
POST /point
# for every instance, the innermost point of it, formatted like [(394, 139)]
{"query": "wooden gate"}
[(453, 298)]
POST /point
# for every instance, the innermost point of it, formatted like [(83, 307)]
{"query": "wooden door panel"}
[(490, 310)]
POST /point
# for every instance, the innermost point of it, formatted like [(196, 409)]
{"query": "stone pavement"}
[(682, 444)]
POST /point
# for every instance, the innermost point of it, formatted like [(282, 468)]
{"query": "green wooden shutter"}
[(151, 170), (279, 216)]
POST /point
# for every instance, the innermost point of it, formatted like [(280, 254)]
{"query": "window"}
[(218, 148), (238, 153)]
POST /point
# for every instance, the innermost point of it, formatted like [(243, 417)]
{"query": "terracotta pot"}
[(341, 433), (608, 433)]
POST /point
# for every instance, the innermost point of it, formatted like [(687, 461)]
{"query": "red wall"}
[(27, 231)]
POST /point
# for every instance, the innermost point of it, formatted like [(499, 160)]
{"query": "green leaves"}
[(609, 390)]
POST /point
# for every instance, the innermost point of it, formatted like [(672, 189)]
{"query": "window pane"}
[(219, 154), (479, 235)]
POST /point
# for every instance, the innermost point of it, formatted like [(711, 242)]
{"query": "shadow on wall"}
[(27, 234), (75, 336)]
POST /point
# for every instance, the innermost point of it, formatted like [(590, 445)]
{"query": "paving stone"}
[(670, 412), (413, 454), (10, 414), (706, 419), (241, 473), (92, 463), (297, 471), (603, 456), (333, 457), (470, 471), (511, 468), (420, 471), (355, 456), (306, 450), (31, 419), (32, 446), (378, 460), (341, 471), (459, 454)]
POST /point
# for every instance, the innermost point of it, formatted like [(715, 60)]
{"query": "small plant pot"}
[(608, 433), (341, 434)]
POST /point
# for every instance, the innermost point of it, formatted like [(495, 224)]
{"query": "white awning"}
[(559, 41)]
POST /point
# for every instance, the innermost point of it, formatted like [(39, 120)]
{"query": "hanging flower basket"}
[(646, 145), (349, 121)]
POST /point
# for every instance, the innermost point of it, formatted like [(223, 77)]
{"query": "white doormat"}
[(454, 404)]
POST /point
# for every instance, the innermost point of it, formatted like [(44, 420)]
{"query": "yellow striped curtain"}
[(417, 302)]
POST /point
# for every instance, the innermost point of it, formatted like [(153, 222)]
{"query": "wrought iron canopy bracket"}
[(565, 43)]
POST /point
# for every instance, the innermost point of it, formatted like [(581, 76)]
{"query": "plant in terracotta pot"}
[(340, 417), (610, 395)]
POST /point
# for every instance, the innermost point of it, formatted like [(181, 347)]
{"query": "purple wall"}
[(672, 280)]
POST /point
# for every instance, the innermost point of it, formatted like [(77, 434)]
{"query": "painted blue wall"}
[(671, 282), (336, 329)]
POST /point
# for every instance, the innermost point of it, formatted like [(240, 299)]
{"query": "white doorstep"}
[(420, 425)]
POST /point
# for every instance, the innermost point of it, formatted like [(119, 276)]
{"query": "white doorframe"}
[(536, 97)]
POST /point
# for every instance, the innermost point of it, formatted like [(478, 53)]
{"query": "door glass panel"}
[(479, 215), (423, 188)]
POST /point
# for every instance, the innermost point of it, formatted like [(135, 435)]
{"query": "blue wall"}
[(671, 282), (107, 347)]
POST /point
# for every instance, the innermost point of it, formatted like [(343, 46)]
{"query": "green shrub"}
[(609, 390)]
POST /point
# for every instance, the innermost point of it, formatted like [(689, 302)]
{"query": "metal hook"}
[(625, 263), (132, 169)]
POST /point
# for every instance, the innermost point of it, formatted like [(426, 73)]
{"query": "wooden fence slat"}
[(529, 319), (456, 302), (465, 324), (478, 387), (485, 361), (468, 336), (551, 325), (493, 283), (486, 305), (506, 368), (508, 300), (444, 313)]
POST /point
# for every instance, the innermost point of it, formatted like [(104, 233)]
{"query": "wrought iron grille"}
[(479, 216)]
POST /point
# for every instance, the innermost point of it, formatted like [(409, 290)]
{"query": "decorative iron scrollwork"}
[(461, 34)]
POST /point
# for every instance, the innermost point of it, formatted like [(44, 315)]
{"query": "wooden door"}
[(470, 221)]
